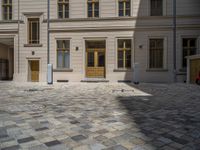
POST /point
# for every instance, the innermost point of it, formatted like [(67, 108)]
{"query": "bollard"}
[(50, 74), (136, 73)]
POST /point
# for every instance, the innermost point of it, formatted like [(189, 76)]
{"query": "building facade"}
[(97, 39)]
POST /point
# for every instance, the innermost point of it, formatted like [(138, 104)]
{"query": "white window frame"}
[(165, 53)]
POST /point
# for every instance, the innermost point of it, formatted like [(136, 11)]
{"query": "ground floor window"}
[(156, 54), (124, 53), (63, 54), (189, 48)]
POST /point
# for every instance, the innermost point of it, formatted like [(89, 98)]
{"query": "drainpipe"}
[(18, 36), (48, 17), (49, 66), (174, 40)]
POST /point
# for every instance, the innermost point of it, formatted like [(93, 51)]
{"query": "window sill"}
[(157, 70), (62, 70), (33, 45), (122, 70)]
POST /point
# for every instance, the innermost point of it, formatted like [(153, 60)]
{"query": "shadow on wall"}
[(166, 118)]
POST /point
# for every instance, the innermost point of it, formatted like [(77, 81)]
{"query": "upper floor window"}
[(156, 7), (63, 54), (7, 9), (189, 48), (63, 9), (124, 7), (34, 30), (156, 54), (124, 53), (93, 8)]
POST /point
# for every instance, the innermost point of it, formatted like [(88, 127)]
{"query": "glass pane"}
[(120, 59), (120, 43), (89, 13), (192, 42), (90, 59), (156, 7), (156, 53), (101, 59), (67, 59), (128, 12), (121, 6), (59, 44), (95, 44), (34, 31), (60, 59), (121, 13), (128, 59), (96, 13)]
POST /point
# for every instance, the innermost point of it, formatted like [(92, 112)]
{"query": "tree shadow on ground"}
[(168, 118)]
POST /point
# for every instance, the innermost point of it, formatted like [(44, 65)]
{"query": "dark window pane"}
[(101, 59), (60, 59), (66, 59), (120, 59), (156, 53), (189, 48), (90, 59), (128, 59), (156, 7)]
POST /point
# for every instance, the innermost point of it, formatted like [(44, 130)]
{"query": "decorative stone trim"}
[(33, 45)]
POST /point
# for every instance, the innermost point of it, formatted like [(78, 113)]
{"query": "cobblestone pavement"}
[(95, 116)]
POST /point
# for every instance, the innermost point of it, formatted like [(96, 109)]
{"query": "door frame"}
[(85, 54), (29, 71)]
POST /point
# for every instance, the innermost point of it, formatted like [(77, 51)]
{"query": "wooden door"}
[(34, 69), (95, 63), (194, 70)]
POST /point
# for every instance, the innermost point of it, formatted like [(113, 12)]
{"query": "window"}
[(124, 53), (93, 8), (124, 7), (34, 30), (156, 53), (63, 54), (7, 9), (156, 7), (63, 9), (189, 48)]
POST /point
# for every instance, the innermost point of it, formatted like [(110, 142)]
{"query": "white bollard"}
[(136, 73), (50, 74)]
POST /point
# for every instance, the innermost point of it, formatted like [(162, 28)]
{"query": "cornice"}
[(121, 18)]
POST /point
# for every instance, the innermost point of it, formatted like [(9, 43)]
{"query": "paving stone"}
[(52, 143), (25, 140), (15, 147), (78, 138)]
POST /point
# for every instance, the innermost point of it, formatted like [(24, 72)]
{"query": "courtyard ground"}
[(94, 116)]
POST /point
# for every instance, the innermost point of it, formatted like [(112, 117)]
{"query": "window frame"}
[(9, 6), (93, 8), (63, 52), (165, 53), (124, 8), (196, 49), (63, 3), (124, 49), (30, 41)]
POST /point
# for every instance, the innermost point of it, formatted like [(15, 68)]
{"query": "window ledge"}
[(157, 70), (62, 70), (33, 45), (122, 70)]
